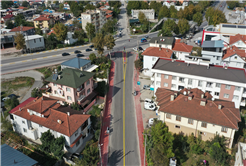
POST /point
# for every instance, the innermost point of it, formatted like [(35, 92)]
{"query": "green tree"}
[(109, 41), (57, 147), (138, 64), (77, 24), (36, 93), (183, 26), (173, 12), (144, 5), (7, 4), (9, 24), (20, 41), (156, 6), (50, 41), (215, 16), (165, 32), (108, 27), (89, 7), (170, 25), (133, 5), (232, 4), (92, 57), (75, 106), (79, 34), (61, 6), (164, 12), (38, 31), (90, 29), (158, 157), (60, 31), (197, 9), (180, 14), (142, 18), (6, 124), (198, 18), (75, 9), (47, 139), (98, 42), (25, 4)]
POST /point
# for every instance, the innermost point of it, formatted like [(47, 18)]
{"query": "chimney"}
[(190, 96), (20, 108), (188, 92), (81, 68), (202, 96), (159, 48), (59, 77), (203, 102), (219, 106), (68, 113), (184, 92), (59, 121), (171, 97)]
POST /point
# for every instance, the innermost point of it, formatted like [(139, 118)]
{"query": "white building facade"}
[(35, 42), (149, 13)]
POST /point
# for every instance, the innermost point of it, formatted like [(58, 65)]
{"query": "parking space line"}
[(34, 59), (12, 63), (31, 53), (24, 61), (50, 51), (25, 55), (37, 53), (44, 57), (53, 55)]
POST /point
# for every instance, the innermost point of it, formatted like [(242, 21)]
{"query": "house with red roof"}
[(24, 29), (7, 17), (238, 40), (193, 111), (38, 115), (234, 57), (44, 21), (181, 49)]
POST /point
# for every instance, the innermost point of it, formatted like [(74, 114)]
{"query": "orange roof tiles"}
[(234, 50), (234, 39), (182, 47), (18, 29), (42, 18), (107, 16), (227, 116), (53, 112), (155, 51)]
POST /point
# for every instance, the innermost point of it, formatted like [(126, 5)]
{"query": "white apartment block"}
[(149, 13), (221, 82)]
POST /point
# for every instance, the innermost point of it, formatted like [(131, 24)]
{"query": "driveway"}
[(30, 73)]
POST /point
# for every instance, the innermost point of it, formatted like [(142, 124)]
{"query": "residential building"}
[(11, 156), (238, 40), (223, 83), (71, 85), (34, 43), (26, 13), (181, 49), (7, 40), (149, 13), (69, 39), (193, 111), (234, 57), (96, 17), (66, 6), (44, 21), (151, 55), (240, 157), (173, 3), (79, 64), (213, 50), (24, 30), (109, 14), (7, 17), (163, 42), (38, 115)]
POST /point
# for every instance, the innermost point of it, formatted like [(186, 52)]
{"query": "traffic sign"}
[(138, 83), (152, 89)]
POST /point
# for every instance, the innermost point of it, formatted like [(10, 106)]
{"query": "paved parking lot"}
[(147, 114)]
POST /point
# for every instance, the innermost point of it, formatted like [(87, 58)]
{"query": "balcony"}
[(244, 93), (212, 53), (81, 92), (243, 102), (81, 98), (152, 79), (209, 86)]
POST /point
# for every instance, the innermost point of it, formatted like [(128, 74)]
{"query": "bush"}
[(75, 106), (101, 88), (11, 103), (138, 64), (60, 46), (36, 93)]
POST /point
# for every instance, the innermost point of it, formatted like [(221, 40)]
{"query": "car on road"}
[(88, 49), (146, 87), (140, 49), (80, 55), (91, 46), (77, 51), (65, 54), (143, 40), (146, 37)]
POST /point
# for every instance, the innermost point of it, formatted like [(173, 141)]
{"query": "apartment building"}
[(149, 13), (234, 57), (44, 21), (96, 17), (193, 111), (224, 83), (240, 157), (38, 115)]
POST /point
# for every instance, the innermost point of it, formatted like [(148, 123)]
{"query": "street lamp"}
[(99, 146)]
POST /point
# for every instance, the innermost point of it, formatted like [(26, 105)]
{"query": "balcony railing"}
[(80, 92), (81, 98), (209, 86)]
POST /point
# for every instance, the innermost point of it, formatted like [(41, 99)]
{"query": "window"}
[(168, 116), (40, 39), (218, 58), (216, 93), (88, 82), (180, 52), (178, 118), (34, 40), (204, 124), (190, 121), (68, 89), (159, 75), (228, 87), (84, 125), (224, 129), (153, 59), (226, 96), (237, 88), (174, 78), (158, 83), (69, 97), (23, 122), (88, 90), (189, 81), (173, 86), (235, 97), (235, 57), (199, 83), (24, 130), (76, 133), (40, 126), (55, 84), (55, 92), (238, 64), (218, 85), (77, 143), (166, 76), (176, 126), (181, 80), (165, 84), (209, 85)]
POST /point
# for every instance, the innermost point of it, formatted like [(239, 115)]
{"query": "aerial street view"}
[(128, 83)]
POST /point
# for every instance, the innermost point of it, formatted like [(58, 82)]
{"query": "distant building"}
[(238, 40), (240, 157), (69, 39), (44, 21), (234, 57), (173, 3), (34, 43), (79, 64), (162, 42), (7, 17), (24, 30), (181, 49), (149, 13)]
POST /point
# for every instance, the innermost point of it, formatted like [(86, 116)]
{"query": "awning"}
[(91, 68), (88, 99)]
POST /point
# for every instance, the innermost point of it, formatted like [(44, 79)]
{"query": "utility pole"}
[(99, 146)]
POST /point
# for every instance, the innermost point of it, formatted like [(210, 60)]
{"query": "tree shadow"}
[(115, 157)]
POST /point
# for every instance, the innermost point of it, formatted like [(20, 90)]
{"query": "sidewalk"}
[(104, 137)]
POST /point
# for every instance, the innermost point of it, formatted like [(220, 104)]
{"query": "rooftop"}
[(234, 51), (227, 116), (213, 44), (31, 37), (19, 28), (55, 116), (216, 72), (157, 52), (76, 62), (182, 47), (162, 40), (238, 37), (42, 18), (71, 77), (8, 16)]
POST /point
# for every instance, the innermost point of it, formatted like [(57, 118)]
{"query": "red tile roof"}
[(109, 11), (227, 116), (8, 16), (182, 47), (18, 29), (234, 50), (22, 7), (42, 18), (106, 4), (22, 105), (234, 39), (107, 16), (53, 112), (155, 51)]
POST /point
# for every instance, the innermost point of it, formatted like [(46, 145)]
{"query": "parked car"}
[(65, 54), (80, 55), (143, 40), (148, 101), (140, 49), (91, 46), (9, 97), (146, 87), (77, 51), (146, 37), (150, 106), (88, 49), (151, 121)]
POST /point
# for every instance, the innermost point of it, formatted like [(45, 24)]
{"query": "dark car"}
[(140, 48), (91, 46), (65, 54), (77, 51), (88, 49), (80, 55)]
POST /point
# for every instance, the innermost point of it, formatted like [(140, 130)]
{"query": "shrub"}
[(36, 93), (60, 46)]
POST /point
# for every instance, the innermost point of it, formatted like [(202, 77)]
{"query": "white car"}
[(150, 107), (151, 121)]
